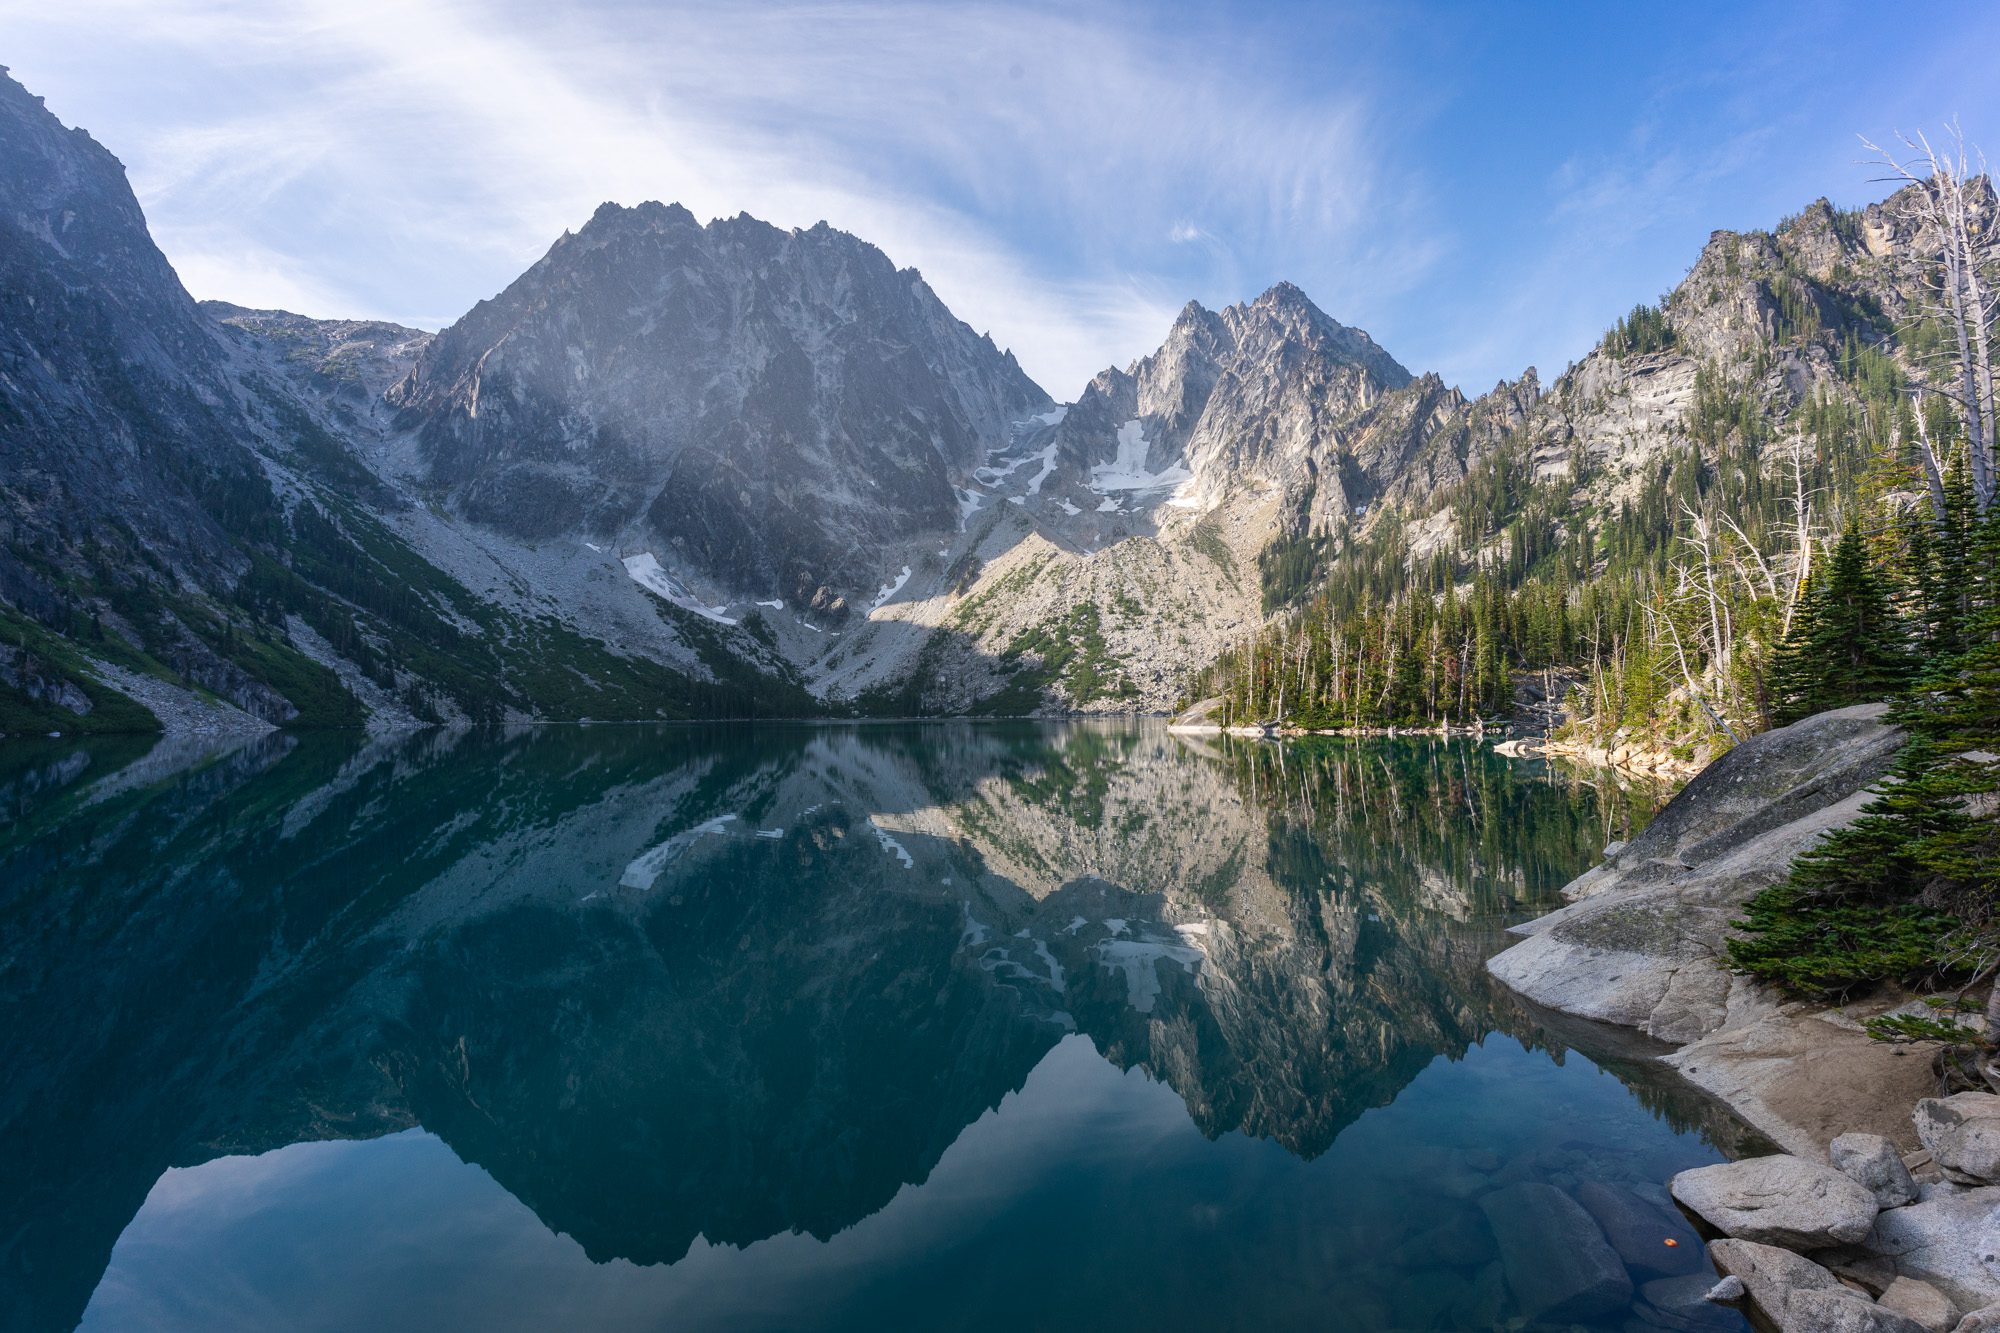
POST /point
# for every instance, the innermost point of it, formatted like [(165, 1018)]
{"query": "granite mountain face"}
[(113, 381), (768, 406), (679, 469), (197, 534)]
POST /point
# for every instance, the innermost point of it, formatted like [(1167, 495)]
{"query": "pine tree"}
[(1845, 646), (1911, 890)]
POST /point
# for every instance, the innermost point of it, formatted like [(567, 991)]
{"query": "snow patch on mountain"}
[(1127, 470), (1048, 457), (646, 572), (970, 502), (889, 590), (1139, 960), (891, 846)]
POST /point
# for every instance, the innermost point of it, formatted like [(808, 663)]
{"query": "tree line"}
[(1766, 569)]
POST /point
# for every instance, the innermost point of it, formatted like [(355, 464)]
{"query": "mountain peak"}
[(651, 215), (1286, 293)]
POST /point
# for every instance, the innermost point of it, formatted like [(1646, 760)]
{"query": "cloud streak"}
[(1475, 192), (402, 159)]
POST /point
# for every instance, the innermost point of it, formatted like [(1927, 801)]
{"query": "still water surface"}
[(974, 1026)]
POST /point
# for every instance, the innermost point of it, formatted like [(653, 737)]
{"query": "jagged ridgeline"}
[(187, 517), (1625, 542), (680, 469)]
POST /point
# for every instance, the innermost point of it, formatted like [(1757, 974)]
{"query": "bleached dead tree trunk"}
[(1704, 584), (1961, 246), (1933, 465), (1802, 535), (1687, 673)]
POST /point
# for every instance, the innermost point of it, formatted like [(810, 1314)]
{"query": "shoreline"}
[(1881, 1188), (1632, 759), (1640, 943)]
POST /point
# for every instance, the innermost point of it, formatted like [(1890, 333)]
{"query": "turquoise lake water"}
[(968, 1026)]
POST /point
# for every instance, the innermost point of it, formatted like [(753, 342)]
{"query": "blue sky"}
[(1481, 186)]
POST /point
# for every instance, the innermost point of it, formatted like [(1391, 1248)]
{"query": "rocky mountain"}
[(200, 525), (678, 468), (112, 384), (765, 409), (1111, 546)]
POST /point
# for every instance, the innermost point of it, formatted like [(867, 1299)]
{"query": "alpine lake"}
[(1005, 1025)]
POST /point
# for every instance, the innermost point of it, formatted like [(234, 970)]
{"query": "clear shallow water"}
[(963, 1026)]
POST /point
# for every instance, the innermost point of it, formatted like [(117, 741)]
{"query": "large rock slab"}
[(1950, 1239), (1872, 1162), (1778, 1200), (1804, 1076), (1640, 1230), (1922, 1302), (1963, 1135), (1558, 1263), (1770, 1276), (1642, 942), (1641, 946), (1838, 1310)]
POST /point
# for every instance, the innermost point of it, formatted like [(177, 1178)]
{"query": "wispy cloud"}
[(1040, 166)]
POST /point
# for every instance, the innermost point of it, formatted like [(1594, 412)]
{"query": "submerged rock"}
[(1558, 1263), (1481, 1304), (1640, 1229), (1778, 1201), (1873, 1163), (1963, 1136), (1463, 1239)]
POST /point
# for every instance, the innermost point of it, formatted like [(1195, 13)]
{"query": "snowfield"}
[(888, 590), (646, 572), (1127, 471)]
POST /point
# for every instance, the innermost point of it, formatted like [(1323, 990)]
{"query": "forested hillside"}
[(1815, 526), (1651, 544)]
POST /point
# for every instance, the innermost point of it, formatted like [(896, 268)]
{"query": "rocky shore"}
[(1874, 1217), (1873, 1240), (1624, 756)]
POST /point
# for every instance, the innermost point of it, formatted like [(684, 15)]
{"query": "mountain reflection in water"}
[(677, 989)]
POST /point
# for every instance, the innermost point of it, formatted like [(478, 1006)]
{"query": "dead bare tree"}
[(1702, 583), (1933, 465), (1954, 205), (1665, 619)]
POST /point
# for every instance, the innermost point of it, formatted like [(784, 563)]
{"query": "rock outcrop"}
[(1770, 1276), (1641, 944), (1778, 1200), (1873, 1163), (1923, 1255), (1962, 1134), (1949, 1238), (765, 409)]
